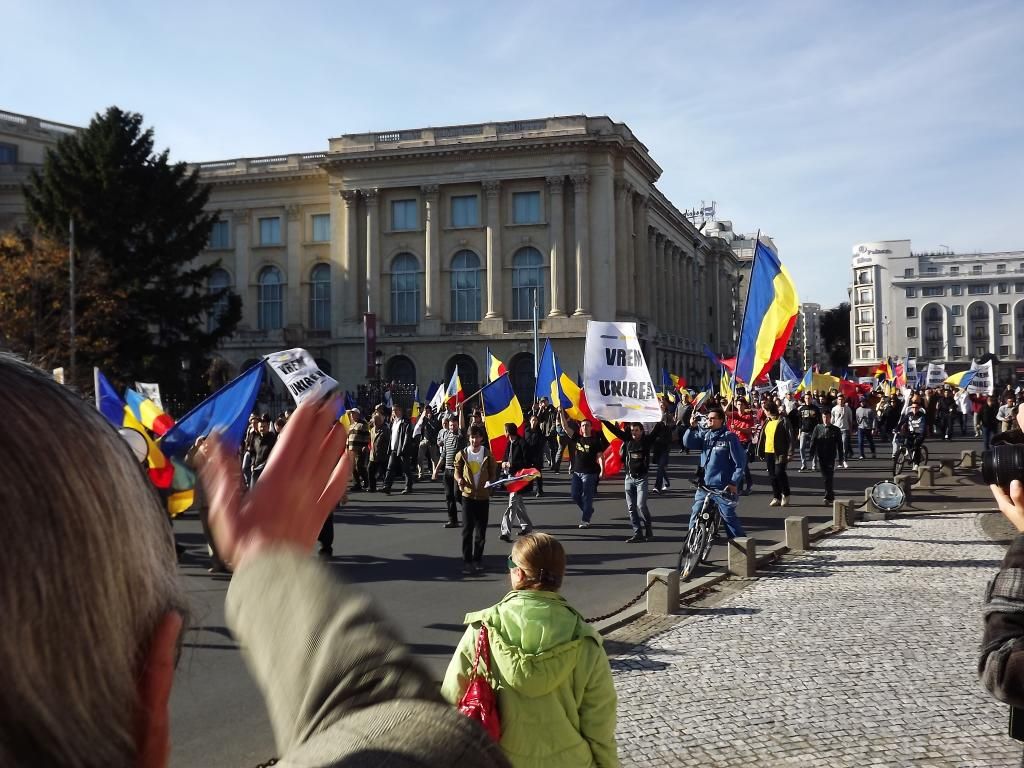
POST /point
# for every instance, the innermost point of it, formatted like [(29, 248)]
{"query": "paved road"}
[(397, 549), (861, 653)]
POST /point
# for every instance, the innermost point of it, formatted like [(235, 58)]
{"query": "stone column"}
[(659, 282), (629, 300), (492, 189), (582, 226), (432, 252), (293, 314), (557, 228), (372, 253), (642, 292), (622, 276), (350, 259), (243, 277), (651, 269)]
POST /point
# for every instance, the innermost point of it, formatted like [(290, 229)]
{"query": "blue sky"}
[(823, 124)]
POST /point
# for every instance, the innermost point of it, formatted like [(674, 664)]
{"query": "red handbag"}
[(479, 702)]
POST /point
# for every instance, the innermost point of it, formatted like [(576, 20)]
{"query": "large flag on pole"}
[(550, 379), (454, 394), (501, 407), (769, 317)]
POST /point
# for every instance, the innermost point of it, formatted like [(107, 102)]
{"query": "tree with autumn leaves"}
[(142, 304)]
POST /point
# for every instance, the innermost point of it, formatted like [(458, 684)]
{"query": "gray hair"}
[(88, 572)]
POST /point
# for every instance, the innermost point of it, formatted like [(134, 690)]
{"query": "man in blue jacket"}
[(723, 461)]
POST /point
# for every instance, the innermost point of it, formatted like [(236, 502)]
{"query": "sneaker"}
[(584, 524), (451, 524), (784, 502), (813, 467), (467, 569), (524, 531), (828, 501), (406, 492), (845, 465), (802, 468), (506, 538), (478, 567), (773, 503), (860, 458), (386, 491), (657, 491), (636, 538)]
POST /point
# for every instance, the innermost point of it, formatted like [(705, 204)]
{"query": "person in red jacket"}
[(742, 422)]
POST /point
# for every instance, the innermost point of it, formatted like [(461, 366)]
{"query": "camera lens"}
[(1003, 464)]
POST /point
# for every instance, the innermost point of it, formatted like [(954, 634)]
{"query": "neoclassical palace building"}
[(447, 235)]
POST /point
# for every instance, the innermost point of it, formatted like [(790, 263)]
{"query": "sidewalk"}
[(859, 653)]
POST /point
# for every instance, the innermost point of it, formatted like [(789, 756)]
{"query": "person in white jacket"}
[(842, 417)]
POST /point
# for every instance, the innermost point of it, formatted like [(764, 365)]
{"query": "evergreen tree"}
[(835, 332), (140, 221)]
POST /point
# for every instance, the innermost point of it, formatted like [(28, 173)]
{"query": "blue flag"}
[(226, 410), (549, 376), (108, 402), (431, 391), (788, 374), (715, 359)]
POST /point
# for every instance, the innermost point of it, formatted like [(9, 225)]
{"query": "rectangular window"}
[(980, 351), (911, 293), (8, 154), (911, 332), (911, 351), (934, 351), (404, 215), (1018, 287), (1004, 350), (932, 270), (864, 277), (958, 310), (1000, 269), (954, 270), (321, 228), (526, 208), (908, 272), (958, 351), (1004, 309), (978, 290), (866, 336), (220, 235), (958, 290), (1004, 287), (865, 316), (1004, 329), (465, 211), (976, 269), (866, 353), (270, 230), (933, 290), (958, 330), (911, 311), (863, 295)]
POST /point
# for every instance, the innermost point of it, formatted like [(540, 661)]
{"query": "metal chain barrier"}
[(270, 762), (630, 604)]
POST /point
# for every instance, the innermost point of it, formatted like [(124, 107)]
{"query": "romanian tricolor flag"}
[(962, 379), (495, 368), (771, 312), (454, 394), (671, 381), (149, 413), (501, 407)]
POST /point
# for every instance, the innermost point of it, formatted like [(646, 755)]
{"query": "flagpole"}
[(536, 342), (746, 302), (72, 345)]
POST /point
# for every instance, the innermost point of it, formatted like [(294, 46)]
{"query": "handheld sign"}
[(300, 374), (616, 379)]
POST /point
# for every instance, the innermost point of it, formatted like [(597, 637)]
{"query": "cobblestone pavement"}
[(860, 653)]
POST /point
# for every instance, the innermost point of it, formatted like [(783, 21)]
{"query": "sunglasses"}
[(511, 563)]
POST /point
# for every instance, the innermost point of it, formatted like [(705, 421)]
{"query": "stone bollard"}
[(743, 557), (906, 482), (947, 468), (841, 514), (968, 459), (925, 477), (796, 533), (663, 598)]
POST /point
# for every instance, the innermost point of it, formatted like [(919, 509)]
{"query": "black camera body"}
[(1005, 461)]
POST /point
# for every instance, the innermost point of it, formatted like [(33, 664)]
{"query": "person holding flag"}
[(474, 469), (513, 462), (636, 452), (586, 463)]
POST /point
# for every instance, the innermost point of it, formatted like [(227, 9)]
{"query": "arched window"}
[(465, 287), (219, 280), (270, 299), (523, 381), (405, 290), (401, 369), (320, 298), (468, 373), (527, 277)]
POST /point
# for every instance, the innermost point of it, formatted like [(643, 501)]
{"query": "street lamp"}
[(378, 360)]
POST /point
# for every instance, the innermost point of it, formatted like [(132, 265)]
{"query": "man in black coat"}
[(401, 451)]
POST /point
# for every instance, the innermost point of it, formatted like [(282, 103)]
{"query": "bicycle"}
[(902, 457), (700, 537)]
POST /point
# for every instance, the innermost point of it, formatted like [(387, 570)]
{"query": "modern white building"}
[(951, 307)]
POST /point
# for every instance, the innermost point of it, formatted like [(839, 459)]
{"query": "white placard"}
[(910, 369), (983, 382), (616, 378), (936, 375), (58, 375), (300, 374), (150, 390)]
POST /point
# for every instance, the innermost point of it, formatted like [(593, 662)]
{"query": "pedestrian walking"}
[(358, 447), (380, 434), (450, 441), (742, 422), (401, 451), (586, 463), (774, 446), (474, 468), (513, 461), (536, 448), (549, 669), (988, 419), (637, 445), (661, 449), (808, 417), (865, 429), (826, 442), (843, 420), (262, 446), (428, 426)]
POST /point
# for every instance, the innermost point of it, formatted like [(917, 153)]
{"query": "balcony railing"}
[(460, 329), (399, 329)]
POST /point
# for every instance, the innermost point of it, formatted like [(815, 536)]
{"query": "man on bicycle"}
[(912, 428), (722, 463)]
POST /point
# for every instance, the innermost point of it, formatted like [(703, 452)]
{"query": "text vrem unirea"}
[(299, 386)]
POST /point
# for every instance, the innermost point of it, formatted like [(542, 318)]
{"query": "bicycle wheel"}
[(690, 554), (922, 454), (898, 461), (714, 528)]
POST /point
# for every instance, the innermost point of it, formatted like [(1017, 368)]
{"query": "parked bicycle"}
[(906, 454), (702, 534)]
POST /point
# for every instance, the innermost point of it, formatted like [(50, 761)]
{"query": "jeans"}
[(828, 471), (584, 486), (862, 436), (451, 496), (360, 477), (661, 476), (474, 528), (326, 535), (986, 437), (846, 451), (748, 480), (515, 514), (777, 473), (636, 503), (726, 507), (805, 448)]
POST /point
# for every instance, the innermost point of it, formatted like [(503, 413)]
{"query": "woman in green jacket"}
[(548, 667)]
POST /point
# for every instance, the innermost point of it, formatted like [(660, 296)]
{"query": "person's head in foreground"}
[(92, 607), (537, 562)]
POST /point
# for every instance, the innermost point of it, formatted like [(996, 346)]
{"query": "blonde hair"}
[(89, 571), (541, 558)]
